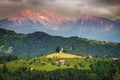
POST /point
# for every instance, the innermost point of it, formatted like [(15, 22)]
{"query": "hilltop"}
[(63, 55)]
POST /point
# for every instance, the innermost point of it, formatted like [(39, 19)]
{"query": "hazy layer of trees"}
[(39, 43)]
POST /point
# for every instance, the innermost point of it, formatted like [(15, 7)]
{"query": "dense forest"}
[(39, 43), (100, 70)]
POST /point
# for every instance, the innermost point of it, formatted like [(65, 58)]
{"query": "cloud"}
[(65, 8), (10, 2), (110, 2), (9, 7), (33, 2)]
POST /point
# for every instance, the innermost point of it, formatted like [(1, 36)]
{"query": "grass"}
[(63, 55), (48, 67)]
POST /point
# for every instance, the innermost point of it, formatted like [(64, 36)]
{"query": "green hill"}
[(47, 62), (40, 43), (45, 68)]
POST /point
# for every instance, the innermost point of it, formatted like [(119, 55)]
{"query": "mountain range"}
[(38, 43), (86, 26)]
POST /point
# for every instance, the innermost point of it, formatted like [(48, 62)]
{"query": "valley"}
[(59, 39), (42, 56)]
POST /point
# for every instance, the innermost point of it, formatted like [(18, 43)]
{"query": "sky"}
[(65, 8)]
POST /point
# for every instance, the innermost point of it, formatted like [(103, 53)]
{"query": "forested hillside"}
[(39, 43)]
